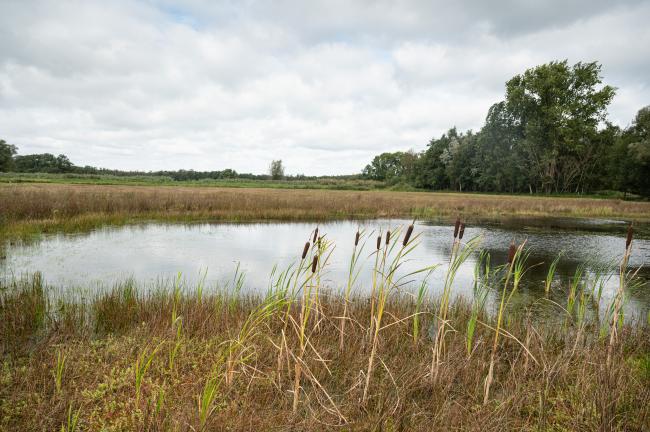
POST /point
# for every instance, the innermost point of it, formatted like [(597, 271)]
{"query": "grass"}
[(257, 363), (28, 210)]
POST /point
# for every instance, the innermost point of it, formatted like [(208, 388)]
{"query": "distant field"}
[(96, 179), (27, 209)]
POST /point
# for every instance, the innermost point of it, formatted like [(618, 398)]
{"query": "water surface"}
[(151, 252)]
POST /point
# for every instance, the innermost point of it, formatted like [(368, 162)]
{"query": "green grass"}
[(105, 179)]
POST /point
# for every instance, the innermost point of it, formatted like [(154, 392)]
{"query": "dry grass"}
[(559, 386), (34, 208)]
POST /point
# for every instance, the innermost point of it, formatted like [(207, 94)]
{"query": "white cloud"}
[(323, 85)]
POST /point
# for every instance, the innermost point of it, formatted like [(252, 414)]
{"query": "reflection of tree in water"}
[(531, 294)]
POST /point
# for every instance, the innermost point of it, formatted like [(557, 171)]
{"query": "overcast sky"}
[(322, 85)]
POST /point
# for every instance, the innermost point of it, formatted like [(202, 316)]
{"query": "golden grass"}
[(35, 208)]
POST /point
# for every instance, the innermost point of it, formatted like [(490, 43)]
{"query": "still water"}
[(150, 253)]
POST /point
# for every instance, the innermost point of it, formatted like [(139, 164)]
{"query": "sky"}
[(323, 85)]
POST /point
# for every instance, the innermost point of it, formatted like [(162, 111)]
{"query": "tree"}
[(276, 170), (45, 162), (7, 152), (559, 109), (386, 166), (631, 159)]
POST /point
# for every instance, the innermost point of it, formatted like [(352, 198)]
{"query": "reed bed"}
[(34, 208), (170, 359)]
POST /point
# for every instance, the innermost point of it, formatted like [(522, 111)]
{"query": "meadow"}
[(302, 357), (29, 209)]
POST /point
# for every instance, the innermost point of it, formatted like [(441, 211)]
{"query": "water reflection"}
[(152, 251)]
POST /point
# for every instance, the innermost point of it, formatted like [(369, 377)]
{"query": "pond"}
[(154, 252)]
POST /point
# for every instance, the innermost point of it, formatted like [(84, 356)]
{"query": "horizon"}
[(160, 86)]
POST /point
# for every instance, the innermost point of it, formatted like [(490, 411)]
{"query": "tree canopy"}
[(549, 135)]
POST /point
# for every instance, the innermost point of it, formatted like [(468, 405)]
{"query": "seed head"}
[(511, 252), (461, 231), (315, 235), (314, 263), (456, 227), (378, 242), (304, 251), (630, 235), (356, 238), (409, 231), (387, 237)]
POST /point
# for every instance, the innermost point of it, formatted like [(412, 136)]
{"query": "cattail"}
[(304, 251), (318, 241), (387, 237), (315, 235), (409, 231), (630, 234), (314, 263), (378, 242), (356, 238), (461, 231), (456, 227), (511, 253)]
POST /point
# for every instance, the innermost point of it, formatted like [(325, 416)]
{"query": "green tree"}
[(386, 166), (7, 152), (276, 170), (434, 161), (45, 162), (559, 109), (631, 158), (500, 166)]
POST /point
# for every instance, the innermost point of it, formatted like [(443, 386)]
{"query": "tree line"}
[(550, 134), (10, 161)]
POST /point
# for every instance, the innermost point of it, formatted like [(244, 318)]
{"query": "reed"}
[(72, 421), (480, 293), (353, 275), (551, 273), (58, 370), (515, 270), (458, 257), (140, 368), (625, 279), (387, 284), (206, 400)]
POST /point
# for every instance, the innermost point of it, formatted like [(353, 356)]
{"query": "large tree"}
[(7, 152), (559, 109)]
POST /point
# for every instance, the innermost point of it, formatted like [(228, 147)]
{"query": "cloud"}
[(322, 85)]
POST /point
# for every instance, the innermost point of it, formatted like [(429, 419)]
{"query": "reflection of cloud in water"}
[(152, 251)]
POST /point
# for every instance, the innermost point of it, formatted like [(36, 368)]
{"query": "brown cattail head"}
[(304, 251), (456, 227), (511, 252), (315, 235), (630, 235), (387, 237), (461, 231), (356, 238), (318, 241), (314, 263), (378, 242), (407, 237)]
